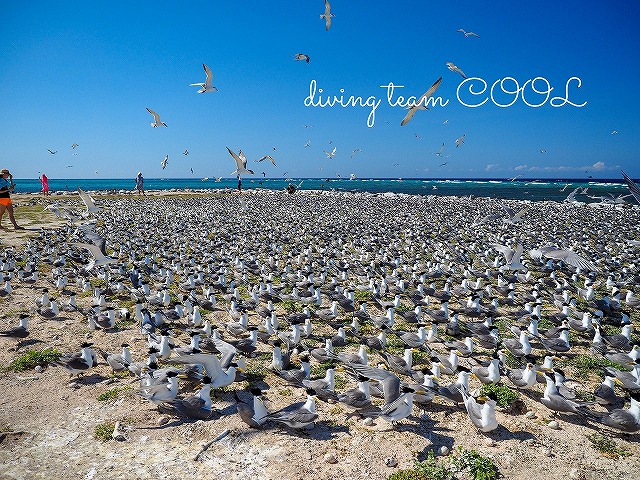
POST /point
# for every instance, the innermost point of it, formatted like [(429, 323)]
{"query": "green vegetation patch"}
[(113, 393), (476, 467), (607, 447), (103, 431), (505, 396), (33, 358)]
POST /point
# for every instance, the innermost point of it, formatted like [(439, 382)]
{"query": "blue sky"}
[(84, 72)]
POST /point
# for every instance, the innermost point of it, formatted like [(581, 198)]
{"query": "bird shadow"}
[(321, 431), (28, 343), (92, 379)]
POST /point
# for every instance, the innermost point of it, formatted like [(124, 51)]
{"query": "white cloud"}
[(492, 166), (600, 166)]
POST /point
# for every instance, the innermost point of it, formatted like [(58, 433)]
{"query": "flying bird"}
[(327, 15), (615, 132), (567, 256), (421, 104), (206, 86), (301, 56), (51, 152), (75, 145), (308, 144), (186, 152), (330, 154), (156, 119), (191, 170), (267, 157), (468, 34), (164, 162), (355, 152), (543, 151), (442, 164), (99, 258), (460, 141), (439, 152), (454, 68), (241, 163)]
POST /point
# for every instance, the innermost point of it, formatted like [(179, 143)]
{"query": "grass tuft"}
[(103, 431), (505, 396), (113, 393), (428, 469), (607, 447), (33, 358)]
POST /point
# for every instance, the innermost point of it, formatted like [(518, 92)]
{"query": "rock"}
[(546, 451), (443, 450), (367, 422), (391, 462), (554, 425), (162, 420), (330, 458), (39, 369), (73, 385), (529, 442), (489, 442), (577, 474), (530, 415)]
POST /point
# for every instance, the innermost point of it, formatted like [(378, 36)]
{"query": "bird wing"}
[(408, 116), (506, 251), (95, 251), (571, 258), (473, 408), (209, 73), (227, 351), (156, 117), (88, 201), (423, 99), (209, 361), (633, 187), (238, 160)]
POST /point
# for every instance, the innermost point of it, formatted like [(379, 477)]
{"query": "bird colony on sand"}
[(409, 301)]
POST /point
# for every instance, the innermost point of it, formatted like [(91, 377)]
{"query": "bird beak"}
[(240, 369), (183, 376), (437, 379), (339, 368), (482, 398), (420, 391), (557, 359)]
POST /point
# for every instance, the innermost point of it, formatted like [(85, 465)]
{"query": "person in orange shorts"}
[(6, 187)]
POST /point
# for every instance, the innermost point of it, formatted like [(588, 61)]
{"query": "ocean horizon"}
[(533, 189)]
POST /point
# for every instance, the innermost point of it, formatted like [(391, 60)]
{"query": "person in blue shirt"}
[(6, 187)]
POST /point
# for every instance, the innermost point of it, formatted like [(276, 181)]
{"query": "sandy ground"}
[(48, 424)]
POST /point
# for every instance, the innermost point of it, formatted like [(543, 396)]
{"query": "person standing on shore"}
[(140, 183), (239, 183), (45, 184), (6, 187)]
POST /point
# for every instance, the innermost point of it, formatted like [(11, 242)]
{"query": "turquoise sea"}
[(521, 189)]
